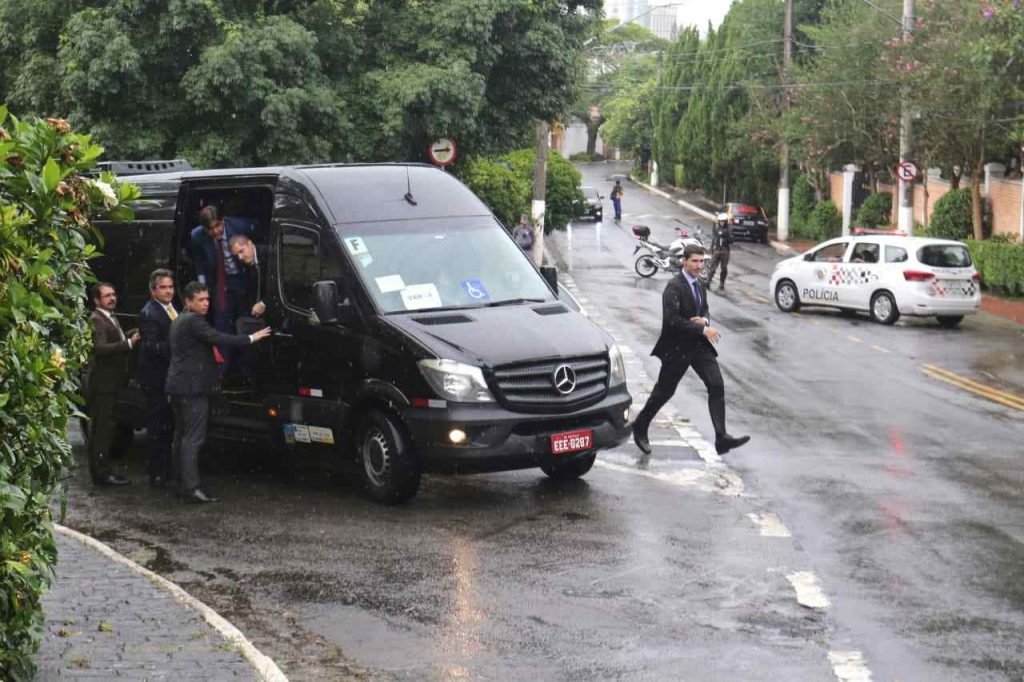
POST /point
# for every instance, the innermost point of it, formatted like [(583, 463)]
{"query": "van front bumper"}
[(501, 440)]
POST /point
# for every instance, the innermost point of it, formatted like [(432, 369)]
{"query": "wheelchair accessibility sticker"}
[(476, 290)]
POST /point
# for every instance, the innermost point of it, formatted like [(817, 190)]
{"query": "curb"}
[(264, 665), (665, 195)]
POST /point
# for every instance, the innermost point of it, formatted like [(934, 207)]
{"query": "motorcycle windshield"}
[(441, 263)]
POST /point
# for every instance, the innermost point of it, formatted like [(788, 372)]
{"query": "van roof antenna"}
[(408, 185)]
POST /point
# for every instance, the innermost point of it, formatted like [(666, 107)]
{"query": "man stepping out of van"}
[(191, 378), (687, 338), (251, 257), (151, 372), (218, 269)]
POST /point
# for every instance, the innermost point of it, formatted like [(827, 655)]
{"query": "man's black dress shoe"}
[(199, 497), (724, 445), (640, 438), (110, 479)]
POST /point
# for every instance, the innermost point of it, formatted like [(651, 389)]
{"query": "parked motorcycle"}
[(668, 258)]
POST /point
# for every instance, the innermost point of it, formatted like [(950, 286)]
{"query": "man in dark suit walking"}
[(687, 339), (191, 378), (108, 373), (151, 372)]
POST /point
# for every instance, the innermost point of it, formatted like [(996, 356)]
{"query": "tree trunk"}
[(593, 127), (976, 204), (540, 175), (954, 179)]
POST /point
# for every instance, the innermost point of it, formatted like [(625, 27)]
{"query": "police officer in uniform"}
[(721, 243)]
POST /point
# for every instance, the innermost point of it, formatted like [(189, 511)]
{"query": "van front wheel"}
[(568, 470), (387, 461)]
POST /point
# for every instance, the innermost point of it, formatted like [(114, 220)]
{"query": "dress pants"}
[(719, 257), (101, 432), (223, 320), (190, 416), (160, 429), (705, 364)]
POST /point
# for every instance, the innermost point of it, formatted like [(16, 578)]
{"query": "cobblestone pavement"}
[(105, 621)]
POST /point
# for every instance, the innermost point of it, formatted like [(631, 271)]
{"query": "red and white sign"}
[(907, 171), (573, 441), (443, 151)]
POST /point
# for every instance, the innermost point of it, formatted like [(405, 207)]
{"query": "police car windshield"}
[(447, 263)]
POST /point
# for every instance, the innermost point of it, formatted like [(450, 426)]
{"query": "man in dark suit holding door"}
[(151, 372), (687, 339), (191, 378), (108, 373)]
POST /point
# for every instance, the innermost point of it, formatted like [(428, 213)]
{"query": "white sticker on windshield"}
[(419, 296), (356, 246), (366, 260), (390, 283)]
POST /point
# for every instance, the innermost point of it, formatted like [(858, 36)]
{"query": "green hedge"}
[(564, 200), (504, 191), (952, 218), (825, 221), (45, 205), (875, 211), (1001, 265), (801, 204)]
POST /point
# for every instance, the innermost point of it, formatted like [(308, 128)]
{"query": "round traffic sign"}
[(443, 151), (907, 171)]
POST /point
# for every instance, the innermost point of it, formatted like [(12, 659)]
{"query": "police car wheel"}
[(570, 470), (389, 466), (786, 297), (645, 266), (883, 308), (950, 321)]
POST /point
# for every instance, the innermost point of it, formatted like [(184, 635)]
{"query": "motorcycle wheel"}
[(645, 266)]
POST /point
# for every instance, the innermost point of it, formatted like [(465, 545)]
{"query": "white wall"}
[(576, 140)]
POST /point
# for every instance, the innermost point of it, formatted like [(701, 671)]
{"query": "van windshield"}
[(445, 263)]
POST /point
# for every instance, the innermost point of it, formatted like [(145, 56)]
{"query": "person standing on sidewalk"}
[(721, 245), (523, 235), (616, 197), (151, 372), (107, 375), (687, 339), (191, 378)]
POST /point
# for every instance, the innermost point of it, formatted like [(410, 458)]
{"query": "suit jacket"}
[(679, 336), (204, 254), (155, 349), (108, 364), (193, 370)]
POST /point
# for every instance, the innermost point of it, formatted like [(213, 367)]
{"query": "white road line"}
[(879, 349), (808, 591), (770, 525), (849, 666)]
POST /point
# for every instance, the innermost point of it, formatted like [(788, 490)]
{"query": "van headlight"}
[(618, 367), (456, 381)]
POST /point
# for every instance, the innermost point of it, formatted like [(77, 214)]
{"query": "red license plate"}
[(572, 441)]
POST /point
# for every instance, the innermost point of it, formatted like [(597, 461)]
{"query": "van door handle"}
[(283, 335)]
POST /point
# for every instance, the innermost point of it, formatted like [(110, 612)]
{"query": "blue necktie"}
[(696, 296)]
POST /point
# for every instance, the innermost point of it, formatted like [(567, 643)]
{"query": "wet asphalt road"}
[(901, 493)]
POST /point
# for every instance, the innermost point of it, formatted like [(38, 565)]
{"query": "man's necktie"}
[(222, 277), (696, 296), (171, 313), (117, 326)]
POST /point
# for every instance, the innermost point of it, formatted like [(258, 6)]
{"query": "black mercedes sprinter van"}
[(409, 330)]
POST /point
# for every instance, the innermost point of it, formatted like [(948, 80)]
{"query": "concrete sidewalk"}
[(107, 618)]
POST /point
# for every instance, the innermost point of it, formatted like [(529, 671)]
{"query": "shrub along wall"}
[(45, 205), (1001, 265)]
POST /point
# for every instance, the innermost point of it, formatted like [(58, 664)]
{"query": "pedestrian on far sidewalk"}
[(523, 235), (616, 197), (721, 246), (193, 375), (687, 338)]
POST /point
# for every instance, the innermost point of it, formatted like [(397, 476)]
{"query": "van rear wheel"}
[(387, 462), (569, 470), (883, 308)]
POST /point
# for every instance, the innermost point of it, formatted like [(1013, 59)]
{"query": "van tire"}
[(787, 299), (883, 308), (386, 459), (570, 470), (950, 321)]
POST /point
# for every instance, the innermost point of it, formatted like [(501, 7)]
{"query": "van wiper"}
[(514, 301), (439, 309)]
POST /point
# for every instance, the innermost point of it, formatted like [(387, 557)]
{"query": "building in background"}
[(625, 10), (663, 22)]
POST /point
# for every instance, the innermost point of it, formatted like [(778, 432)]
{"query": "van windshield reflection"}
[(449, 264)]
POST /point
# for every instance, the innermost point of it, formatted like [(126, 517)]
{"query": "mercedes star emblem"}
[(564, 379)]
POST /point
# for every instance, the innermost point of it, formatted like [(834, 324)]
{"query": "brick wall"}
[(1004, 200), (835, 189)]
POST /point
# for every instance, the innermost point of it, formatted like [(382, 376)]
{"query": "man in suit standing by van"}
[(687, 339), (107, 375), (191, 378), (151, 372), (218, 269)]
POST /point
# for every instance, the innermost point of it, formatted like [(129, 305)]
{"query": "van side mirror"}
[(325, 302), (551, 275)]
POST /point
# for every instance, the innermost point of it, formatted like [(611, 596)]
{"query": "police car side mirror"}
[(808, 256), (325, 303)]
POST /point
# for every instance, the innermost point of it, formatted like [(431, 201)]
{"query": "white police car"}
[(885, 275)]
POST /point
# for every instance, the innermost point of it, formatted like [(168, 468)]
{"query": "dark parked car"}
[(747, 222), (593, 208)]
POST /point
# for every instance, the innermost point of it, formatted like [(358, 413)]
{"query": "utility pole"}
[(906, 212), (784, 193), (540, 189)]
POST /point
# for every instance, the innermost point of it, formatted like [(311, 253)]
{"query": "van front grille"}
[(532, 385)]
